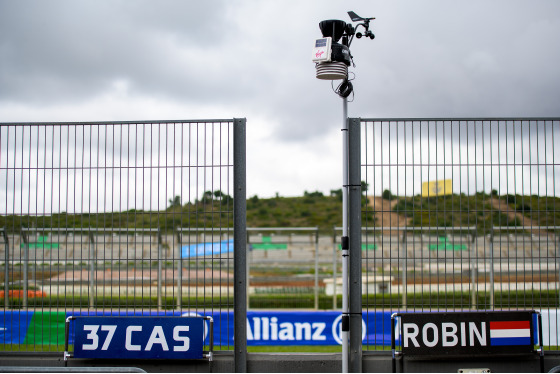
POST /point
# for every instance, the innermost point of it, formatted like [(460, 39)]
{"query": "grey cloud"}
[(75, 50), (429, 59)]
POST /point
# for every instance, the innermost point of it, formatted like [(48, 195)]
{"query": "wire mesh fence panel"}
[(286, 268), (461, 214), (92, 215)]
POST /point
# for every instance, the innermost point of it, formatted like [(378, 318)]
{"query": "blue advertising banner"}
[(263, 327), (139, 337), (313, 328), (14, 326), (207, 249)]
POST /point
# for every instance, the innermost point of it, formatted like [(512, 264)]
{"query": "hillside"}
[(480, 210), (316, 210), (311, 210)]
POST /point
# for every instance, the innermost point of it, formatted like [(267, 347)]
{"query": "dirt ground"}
[(385, 216), (502, 206)]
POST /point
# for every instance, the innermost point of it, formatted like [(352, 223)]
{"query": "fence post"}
[(355, 238), (240, 246)]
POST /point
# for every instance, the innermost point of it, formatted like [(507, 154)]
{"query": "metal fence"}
[(284, 267), (100, 217), (143, 217), (459, 214)]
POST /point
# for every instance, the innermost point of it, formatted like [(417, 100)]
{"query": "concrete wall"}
[(285, 363)]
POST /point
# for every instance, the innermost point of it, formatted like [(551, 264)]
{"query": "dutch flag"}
[(510, 333)]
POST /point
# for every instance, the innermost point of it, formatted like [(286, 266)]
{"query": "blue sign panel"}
[(139, 337), (207, 249)]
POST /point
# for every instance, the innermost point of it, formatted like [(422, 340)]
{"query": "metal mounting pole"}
[(345, 322)]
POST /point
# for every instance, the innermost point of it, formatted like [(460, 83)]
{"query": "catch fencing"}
[(149, 217), (458, 214), (97, 218)]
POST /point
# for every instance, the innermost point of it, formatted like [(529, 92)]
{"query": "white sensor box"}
[(322, 50)]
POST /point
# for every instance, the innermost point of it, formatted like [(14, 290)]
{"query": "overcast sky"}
[(158, 60)]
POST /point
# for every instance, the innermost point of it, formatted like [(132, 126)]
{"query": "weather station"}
[(332, 57)]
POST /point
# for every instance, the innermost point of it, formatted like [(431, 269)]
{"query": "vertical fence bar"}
[(240, 246), (91, 270), (179, 273), (491, 270), (33, 263), (404, 269), (473, 277), (6, 269), (334, 263), (355, 237), (316, 291), (25, 240), (249, 261), (159, 261)]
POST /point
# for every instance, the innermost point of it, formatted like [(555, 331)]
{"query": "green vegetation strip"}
[(427, 301), (312, 210)]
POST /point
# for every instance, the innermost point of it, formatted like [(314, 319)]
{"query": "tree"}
[(337, 193), (217, 196), (365, 187), (207, 196), (386, 195), (313, 194), (175, 202)]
